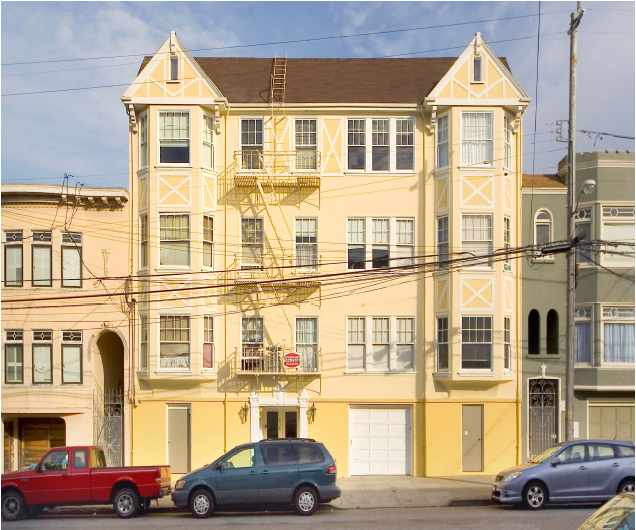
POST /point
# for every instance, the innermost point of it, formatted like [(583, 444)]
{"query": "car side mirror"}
[(556, 462), (219, 466)]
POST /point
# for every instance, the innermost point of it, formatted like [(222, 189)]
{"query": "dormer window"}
[(477, 72), (174, 68)]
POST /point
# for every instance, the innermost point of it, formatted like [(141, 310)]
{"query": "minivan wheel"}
[(535, 495), (626, 485), (13, 506), (306, 500), (202, 504)]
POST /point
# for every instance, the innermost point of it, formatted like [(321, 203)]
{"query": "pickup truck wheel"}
[(125, 503), (13, 506), (202, 504), (306, 500)]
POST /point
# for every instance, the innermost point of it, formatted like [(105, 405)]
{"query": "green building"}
[(604, 312)]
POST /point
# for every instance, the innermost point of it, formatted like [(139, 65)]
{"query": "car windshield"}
[(616, 514), (540, 458)]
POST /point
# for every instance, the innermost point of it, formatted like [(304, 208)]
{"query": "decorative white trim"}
[(606, 388)]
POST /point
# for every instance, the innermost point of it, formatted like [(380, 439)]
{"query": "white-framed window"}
[(405, 232), (13, 258), (208, 241), (356, 144), (477, 238), (442, 241), (583, 335), (404, 144), (542, 231), (618, 335), (208, 342), (251, 143), (174, 68), (174, 341), (405, 348), (477, 139), (356, 239), (306, 140), (307, 343), (72, 358), (144, 248), (356, 343), (71, 259), (442, 142), (380, 145), (442, 363), (306, 236), (208, 142), (507, 239), (583, 223), (13, 356), (174, 137), (174, 239), (42, 351), (476, 343), (41, 258), (618, 228), (252, 342), (478, 76), (507, 142), (143, 342), (388, 347), (392, 145), (143, 141), (507, 345), (381, 244), (252, 242)]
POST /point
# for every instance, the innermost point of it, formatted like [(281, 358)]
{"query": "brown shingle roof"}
[(542, 181), (246, 80)]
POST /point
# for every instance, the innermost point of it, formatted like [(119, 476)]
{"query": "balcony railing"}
[(278, 163), (276, 360)]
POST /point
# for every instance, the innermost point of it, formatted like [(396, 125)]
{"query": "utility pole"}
[(575, 20)]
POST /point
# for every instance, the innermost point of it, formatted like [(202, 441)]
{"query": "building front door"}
[(543, 414), (279, 422), (472, 438), (179, 438)]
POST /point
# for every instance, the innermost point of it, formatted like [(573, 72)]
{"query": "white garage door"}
[(611, 422), (379, 441)]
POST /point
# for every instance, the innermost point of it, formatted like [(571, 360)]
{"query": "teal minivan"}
[(299, 472)]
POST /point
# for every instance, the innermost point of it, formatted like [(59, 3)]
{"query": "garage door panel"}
[(384, 450), (611, 422)]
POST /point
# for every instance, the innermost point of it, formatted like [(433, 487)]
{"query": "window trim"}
[(536, 222), (479, 58), (368, 145), (168, 266), (480, 166), (174, 58), (160, 164), (492, 345)]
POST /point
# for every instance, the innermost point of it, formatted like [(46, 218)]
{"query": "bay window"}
[(618, 335), (208, 241), (442, 364), (143, 241), (208, 342), (442, 142), (583, 335), (174, 341), (618, 226), (174, 137), (442, 241), (583, 223), (143, 342), (174, 239), (477, 238), (507, 142), (143, 141), (208, 141), (507, 345), (477, 139), (476, 343)]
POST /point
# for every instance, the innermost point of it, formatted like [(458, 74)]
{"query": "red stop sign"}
[(292, 360)]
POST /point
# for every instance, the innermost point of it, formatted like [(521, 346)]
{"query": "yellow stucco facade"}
[(242, 259)]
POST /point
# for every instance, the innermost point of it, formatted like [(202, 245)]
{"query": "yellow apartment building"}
[(65, 334), (319, 251)]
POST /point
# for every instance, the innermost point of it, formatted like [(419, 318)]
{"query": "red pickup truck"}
[(72, 476)]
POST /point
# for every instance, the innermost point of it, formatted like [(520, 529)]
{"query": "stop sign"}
[(292, 360)]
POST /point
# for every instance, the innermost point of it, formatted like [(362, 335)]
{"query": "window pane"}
[(42, 363), (41, 265), (582, 342), (356, 258), (13, 363), (623, 232), (71, 267), (619, 343), (380, 257), (381, 357), (355, 356), (404, 357), (13, 266), (71, 364)]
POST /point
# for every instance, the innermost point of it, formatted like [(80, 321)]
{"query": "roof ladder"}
[(277, 80)]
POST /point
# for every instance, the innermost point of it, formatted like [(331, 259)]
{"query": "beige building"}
[(65, 333), (315, 255)]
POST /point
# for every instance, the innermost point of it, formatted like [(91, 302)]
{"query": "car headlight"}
[(180, 484), (511, 476)]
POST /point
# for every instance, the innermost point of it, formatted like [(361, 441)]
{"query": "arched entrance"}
[(108, 396)]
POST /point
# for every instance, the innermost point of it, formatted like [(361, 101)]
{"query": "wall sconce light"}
[(311, 413), (244, 412)]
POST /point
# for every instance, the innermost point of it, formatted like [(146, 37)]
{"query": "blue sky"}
[(85, 132)]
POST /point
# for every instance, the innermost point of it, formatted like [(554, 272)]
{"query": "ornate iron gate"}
[(543, 414), (108, 415)]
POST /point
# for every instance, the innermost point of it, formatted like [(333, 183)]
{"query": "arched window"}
[(534, 323), (552, 333), (542, 227)]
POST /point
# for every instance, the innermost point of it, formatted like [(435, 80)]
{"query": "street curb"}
[(457, 503)]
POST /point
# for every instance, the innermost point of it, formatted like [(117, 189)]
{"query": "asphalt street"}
[(447, 518)]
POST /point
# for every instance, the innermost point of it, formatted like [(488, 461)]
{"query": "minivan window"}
[(243, 458), (309, 454), (600, 451), (278, 454), (624, 450)]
